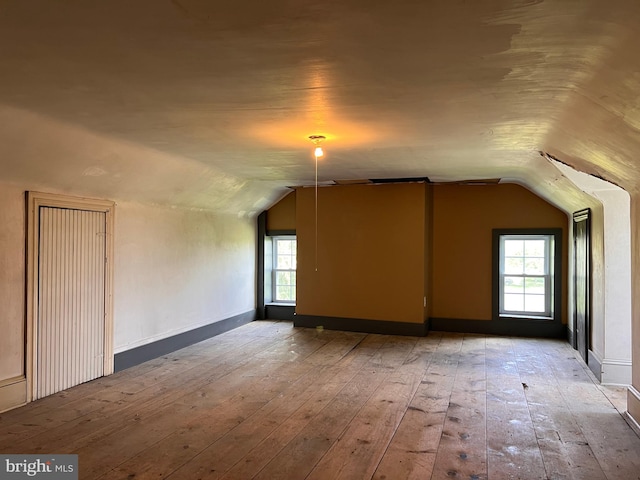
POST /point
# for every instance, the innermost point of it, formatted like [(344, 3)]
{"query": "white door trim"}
[(35, 200)]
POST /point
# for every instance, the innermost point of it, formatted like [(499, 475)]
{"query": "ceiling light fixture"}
[(317, 153), (317, 140)]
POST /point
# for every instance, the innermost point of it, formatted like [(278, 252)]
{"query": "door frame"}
[(35, 200), (577, 217)]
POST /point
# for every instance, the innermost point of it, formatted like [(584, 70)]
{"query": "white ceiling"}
[(207, 104)]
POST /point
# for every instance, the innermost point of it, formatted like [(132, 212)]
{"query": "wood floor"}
[(269, 401)]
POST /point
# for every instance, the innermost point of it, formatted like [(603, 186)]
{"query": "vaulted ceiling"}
[(209, 104)]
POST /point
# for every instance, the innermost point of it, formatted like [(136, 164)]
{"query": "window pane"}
[(534, 266), (283, 278), (534, 248), (284, 262), (513, 265), (513, 285), (513, 302), (285, 293), (284, 247), (514, 248), (534, 303), (534, 285)]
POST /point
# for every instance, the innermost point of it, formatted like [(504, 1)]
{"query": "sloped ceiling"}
[(209, 104)]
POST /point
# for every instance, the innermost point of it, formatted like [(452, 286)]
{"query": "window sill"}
[(280, 304), (509, 316)]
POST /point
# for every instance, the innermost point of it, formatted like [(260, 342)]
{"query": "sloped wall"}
[(282, 215)]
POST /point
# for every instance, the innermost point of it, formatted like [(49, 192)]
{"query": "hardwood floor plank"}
[(300, 455), (511, 440), (412, 451), (182, 438), (360, 448), (270, 401), (462, 451), (184, 444), (162, 388), (260, 382), (336, 349), (599, 421), (335, 380), (221, 453), (565, 451), (153, 370)]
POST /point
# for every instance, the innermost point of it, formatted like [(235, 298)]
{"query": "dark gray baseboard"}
[(510, 327), (594, 365), (361, 325), (153, 350), (277, 233), (280, 312)]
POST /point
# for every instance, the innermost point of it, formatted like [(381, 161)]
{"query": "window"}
[(526, 267), (525, 275), (284, 269)]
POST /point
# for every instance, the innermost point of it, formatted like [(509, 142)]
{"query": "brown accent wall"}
[(463, 218), (428, 252), (383, 248), (370, 252), (282, 216)]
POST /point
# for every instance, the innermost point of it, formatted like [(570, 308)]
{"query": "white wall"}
[(176, 270), (611, 340), (616, 364), (12, 281)]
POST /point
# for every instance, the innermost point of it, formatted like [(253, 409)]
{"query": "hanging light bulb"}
[(317, 139)]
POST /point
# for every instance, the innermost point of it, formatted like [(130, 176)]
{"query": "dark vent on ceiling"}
[(401, 180)]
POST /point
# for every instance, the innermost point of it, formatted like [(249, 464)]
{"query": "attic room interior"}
[(464, 251)]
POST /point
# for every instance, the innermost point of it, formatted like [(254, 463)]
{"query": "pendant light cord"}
[(316, 207), (316, 139)]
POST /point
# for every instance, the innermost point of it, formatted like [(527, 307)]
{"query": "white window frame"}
[(275, 270), (548, 276)]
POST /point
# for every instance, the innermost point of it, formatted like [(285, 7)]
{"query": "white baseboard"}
[(616, 372), (633, 405), (635, 426), (13, 393)]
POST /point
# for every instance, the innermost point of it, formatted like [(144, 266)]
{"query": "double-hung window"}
[(284, 269), (527, 266), (525, 275)]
